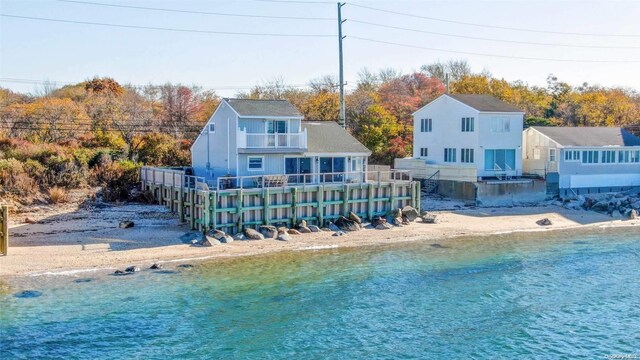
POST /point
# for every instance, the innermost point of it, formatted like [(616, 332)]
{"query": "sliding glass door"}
[(331, 165), (500, 159), (297, 168)]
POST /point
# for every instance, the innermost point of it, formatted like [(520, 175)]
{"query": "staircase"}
[(430, 184)]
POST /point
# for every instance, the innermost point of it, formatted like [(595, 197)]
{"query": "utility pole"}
[(341, 72)]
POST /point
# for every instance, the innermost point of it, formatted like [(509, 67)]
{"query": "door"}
[(298, 167), (277, 130), (500, 159)]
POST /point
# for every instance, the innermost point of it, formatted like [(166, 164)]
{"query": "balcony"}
[(278, 142)]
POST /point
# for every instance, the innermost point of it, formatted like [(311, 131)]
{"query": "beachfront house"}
[(578, 160), (268, 140), (470, 137)]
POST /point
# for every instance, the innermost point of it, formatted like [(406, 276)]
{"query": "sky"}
[(33, 51)]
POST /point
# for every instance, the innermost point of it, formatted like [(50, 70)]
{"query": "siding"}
[(222, 152)]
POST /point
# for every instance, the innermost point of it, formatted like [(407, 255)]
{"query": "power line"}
[(197, 12), (297, 1), (163, 28), (494, 55), (491, 39), (489, 26)]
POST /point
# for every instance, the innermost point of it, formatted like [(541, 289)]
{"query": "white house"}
[(246, 137), (474, 136), (583, 159)]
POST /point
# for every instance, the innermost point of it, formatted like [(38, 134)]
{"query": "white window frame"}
[(450, 155), (249, 168), (628, 156), (590, 157), (209, 127), (553, 155), (467, 156), (467, 124), (424, 152), (572, 155), (608, 157), (426, 125)]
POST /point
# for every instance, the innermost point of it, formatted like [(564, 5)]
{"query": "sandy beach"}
[(69, 239)]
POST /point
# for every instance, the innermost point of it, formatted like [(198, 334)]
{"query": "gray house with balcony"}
[(269, 138), (578, 160)]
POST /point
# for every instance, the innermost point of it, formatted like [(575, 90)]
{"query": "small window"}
[(449, 155), (552, 155), (256, 163), (425, 125), (608, 157), (500, 124), (466, 155), (424, 152), (571, 155), (467, 124), (212, 127)]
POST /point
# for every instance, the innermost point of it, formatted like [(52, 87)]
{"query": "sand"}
[(67, 239)]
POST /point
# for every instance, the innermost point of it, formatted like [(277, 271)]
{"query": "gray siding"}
[(535, 156), (221, 144), (272, 164), (578, 168)]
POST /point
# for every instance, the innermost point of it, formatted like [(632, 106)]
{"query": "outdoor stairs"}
[(430, 184)]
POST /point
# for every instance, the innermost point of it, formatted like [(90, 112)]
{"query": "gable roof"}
[(329, 137), (589, 136), (486, 103), (266, 108)]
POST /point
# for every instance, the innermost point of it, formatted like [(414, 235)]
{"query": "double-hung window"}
[(608, 156), (552, 155), (449, 155), (590, 157), (255, 163), (466, 155), (212, 127), (424, 152), (425, 125), (467, 124), (500, 124)]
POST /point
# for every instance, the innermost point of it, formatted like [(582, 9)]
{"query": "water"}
[(532, 296)]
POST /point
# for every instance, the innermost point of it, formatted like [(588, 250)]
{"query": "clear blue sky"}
[(40, 50)]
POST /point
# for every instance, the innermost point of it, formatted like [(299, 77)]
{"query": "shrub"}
[(58, 195), (117, 178), (14, 178)]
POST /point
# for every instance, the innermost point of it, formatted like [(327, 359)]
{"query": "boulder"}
[(120, 272), (303, 223), (226, 239), (397, 221), (353, 216), (405, 220), (601, 206), (314, 228), (304, 229), (293, 232), (325, 229), (268, 231), (347, 224), (633, 214), (588, 203), (544, 222), (125, 224), (339, 233), (132, 269), (252, 234), (30, 221), (216, 234), (284, 237), (378, 220), (384, 226), (156, 266), (282, 229), (209, 241), (430, 219), (333, 227), (239, 236), (410, 213)]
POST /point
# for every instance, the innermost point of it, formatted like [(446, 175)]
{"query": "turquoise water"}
[(533, 296)]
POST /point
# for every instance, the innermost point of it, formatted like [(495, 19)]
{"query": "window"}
[(590, 157), (277, 126), (256, 163), (449, 155), (357, 164), (500, 124), (552, 155), (425, 125), (467, 124), (608, 156), (629, 156), (212, 127), (424, 152), (536, 154), (466, 155), (499, 159), (571, 155), (333, 165)]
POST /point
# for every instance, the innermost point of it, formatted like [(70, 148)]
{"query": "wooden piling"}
[(4, 229)]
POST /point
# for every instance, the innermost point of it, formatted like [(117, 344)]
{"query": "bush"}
[(117, 178), (14, 178), (58, 195)]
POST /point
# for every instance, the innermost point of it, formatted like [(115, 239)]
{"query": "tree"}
[(407, 93), (455, 68)]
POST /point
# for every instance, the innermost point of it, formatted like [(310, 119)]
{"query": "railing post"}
[(321, 205), (214, 209), (4, 229), (266, 198), (370, 202), (345, 203)]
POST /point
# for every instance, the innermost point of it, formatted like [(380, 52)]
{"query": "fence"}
[(233, 209), (4, 229)]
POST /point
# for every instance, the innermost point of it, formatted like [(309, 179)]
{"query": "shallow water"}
[(541, 296)]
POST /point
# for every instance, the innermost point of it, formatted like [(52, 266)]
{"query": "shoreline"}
[(88, 240)]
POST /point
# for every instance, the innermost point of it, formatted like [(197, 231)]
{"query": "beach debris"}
[(430, 219), (410, 213), (252, 234), (353, 216), (345, 224), (284, 236), (209, 241), (132, 269), (384, 226), (293, 232), (544, 222), (304, 229), (126, 224), (156, 266), (268, 231), (339, 233), (185, 266), (633, 214), (30, 221), (28, 294)]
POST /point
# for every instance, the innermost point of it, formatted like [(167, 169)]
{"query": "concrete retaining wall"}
[(495, 193)]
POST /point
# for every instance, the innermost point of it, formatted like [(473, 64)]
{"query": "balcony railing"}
[(272, 141)]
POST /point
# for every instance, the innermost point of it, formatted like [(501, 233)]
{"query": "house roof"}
[(589, 136), (329, 137), (484, 103), (252, 107)]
